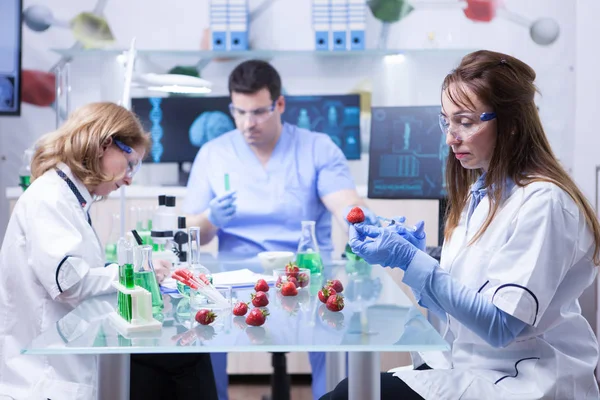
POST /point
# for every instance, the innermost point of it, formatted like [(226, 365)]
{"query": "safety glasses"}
[(134, 161), (257, 115), (463, 126)]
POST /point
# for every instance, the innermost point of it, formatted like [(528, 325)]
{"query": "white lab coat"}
[(533, 262), (50, 261)]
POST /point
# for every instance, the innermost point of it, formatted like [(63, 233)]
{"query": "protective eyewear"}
[(134, 161), (257, 115), (463, 126)]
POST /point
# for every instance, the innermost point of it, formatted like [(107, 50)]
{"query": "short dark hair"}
[(253, 75)]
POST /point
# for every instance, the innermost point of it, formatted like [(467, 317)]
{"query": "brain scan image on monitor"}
[(209, 125), (408, 153)]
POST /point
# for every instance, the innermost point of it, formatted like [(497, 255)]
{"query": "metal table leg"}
[(335, 367), (280, 383), (364, 380), (113, 376)]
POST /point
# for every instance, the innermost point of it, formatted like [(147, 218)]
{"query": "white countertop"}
[(147, 192)]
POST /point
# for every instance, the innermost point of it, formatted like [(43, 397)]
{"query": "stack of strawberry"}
[(330, 294), (292, 280)]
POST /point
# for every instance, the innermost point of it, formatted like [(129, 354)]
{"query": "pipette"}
[(201, 284), (400, 222)]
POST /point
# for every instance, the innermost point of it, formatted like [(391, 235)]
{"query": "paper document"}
[(240, 278)]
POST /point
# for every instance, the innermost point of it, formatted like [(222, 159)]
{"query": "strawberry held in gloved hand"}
[(360, 214)]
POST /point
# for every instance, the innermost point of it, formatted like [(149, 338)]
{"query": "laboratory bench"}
[(244, 363), (377, 317)]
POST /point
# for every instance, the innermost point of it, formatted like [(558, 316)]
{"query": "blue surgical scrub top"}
[(274, 199)]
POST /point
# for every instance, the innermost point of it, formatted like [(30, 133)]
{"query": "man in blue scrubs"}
[(279, 175)]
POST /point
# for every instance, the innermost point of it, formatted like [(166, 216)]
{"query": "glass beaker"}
[(25, 170), (124, 250), (110, 250), (193, 260), (145, 277), (308, 255)]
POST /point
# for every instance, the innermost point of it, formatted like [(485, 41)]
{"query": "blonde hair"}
[(522, 152), (78, 142)]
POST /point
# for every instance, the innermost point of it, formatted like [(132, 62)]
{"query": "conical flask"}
[(25, 170), (194, 253), (308, 255), (145, 277)]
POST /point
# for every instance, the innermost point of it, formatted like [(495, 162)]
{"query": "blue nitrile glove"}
[(370, 217), (222, 209), (387, 248), (415, 235)]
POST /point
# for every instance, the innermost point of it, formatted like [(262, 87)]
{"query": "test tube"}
[(194, 245), (227, 187)]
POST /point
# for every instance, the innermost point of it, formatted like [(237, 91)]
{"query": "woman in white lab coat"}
[(51, 259), (521, 245)]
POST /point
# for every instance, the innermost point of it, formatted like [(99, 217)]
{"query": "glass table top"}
[(377, 316)]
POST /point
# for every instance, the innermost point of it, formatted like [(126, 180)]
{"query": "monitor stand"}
[(442, 220), (183, 174)]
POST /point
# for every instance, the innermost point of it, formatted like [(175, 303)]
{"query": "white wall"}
[(281, 27), (586, 139)]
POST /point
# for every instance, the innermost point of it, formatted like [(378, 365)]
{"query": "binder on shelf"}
[(356, 24), (321, 23), (218, 24), (229, 24), (238, 25), (339, 24)]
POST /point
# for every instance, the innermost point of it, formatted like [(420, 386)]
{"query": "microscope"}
[(169, 231)]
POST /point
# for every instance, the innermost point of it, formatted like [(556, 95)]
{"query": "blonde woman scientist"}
[(521, 246), (51, 259)]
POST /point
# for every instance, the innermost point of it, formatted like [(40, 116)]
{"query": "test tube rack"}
[(141, 312)]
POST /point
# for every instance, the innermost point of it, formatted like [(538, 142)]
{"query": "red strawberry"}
[(257, 317), (205, 317), (355, 215), (292, 270), (289, 289), (261, 286), (240, 309), (293, 280), (325, 292), (259, 299), (303, 279), (335, 303), (336, 285)]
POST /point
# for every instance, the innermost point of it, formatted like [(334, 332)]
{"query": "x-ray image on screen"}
[(408, 154), (338, 116)]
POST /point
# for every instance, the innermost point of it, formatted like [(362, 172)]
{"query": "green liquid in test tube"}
[(227, 187)]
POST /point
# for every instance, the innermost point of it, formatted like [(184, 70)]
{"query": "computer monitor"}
[(179, 126), (336, 115), (408, 154), (10, 57)]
